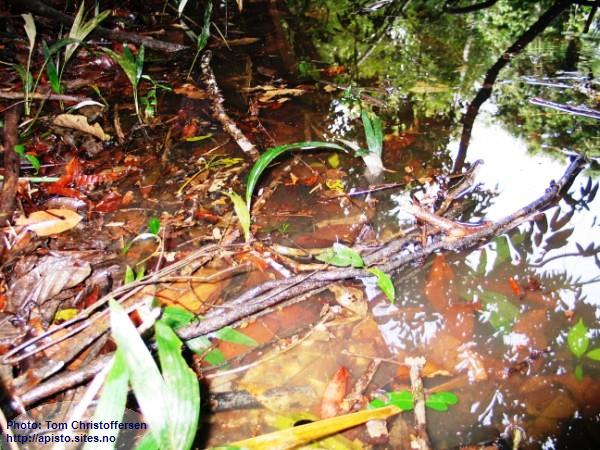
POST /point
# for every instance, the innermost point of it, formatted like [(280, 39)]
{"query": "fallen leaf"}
[(49, 276), (334, 393), (51, 221), (191, 91), (80, 123), (350, 298)]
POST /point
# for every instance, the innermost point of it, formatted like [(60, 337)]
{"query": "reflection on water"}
[(492, 323)]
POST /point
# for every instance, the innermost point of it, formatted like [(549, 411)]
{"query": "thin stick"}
[(421, 440), (219, 111)]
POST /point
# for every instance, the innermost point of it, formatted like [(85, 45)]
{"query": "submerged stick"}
[(219, 112), (421, 441), (11, 165)]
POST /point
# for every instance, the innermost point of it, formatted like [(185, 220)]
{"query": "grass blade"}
[(183, 388), (147, 383), (80, 29), (229, 334), (111, 405), (241, 210), (267, 157), (30, 30)]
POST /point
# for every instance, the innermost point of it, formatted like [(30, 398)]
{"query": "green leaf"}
[(112, 401), (577, 339), (147, 443), (126, 62), (205, 33), (341, 256), (385, 283), (440, 400), (147, 383), (200, 345), (502, 313), (177, 317), (80, 29), (402, 399), (242, 212), (129, 275), (377, 403), (25, 76), (594, 354), (334, 161), (579, 372), (482, 264), (154, 225), (229, 334), (183, 390), (373, 132), (266, 158), (502, 251)]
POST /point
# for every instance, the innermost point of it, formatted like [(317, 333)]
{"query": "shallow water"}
[(509, 365)]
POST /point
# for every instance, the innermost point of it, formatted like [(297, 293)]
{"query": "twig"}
[(42, 96), (219, 112), (421, 440), (355, 399), (575, 110), (42, 9)]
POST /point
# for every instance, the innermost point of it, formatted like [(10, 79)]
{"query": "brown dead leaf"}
[(191, 91), (350, 298), (80, 123), (51, 221), (49, 276), (270, 94)]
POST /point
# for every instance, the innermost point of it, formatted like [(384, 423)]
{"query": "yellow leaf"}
[(296, 436), (63, 315), (80, 123), (52, 221)]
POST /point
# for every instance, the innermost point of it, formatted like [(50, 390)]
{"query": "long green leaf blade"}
[(183, 388), (234, 336), (267, 157), (341, 256), (111, 405), (242, 212), (147, 383)]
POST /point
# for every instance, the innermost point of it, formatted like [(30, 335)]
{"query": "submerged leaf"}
[(441, 400), (577, 339), (267, 157), (341, 256), (502, 312)]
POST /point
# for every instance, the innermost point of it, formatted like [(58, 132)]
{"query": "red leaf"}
[(335, 391)]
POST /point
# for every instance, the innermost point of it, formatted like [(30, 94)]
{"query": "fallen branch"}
[(11, 165), (219, 113), (270, 293), (40, 8), (41, 96)]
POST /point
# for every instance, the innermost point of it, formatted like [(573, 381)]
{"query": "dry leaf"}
[(191, 91), (51, 275), (350, 298), (80, 123), (270, 94), (51, 221)]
